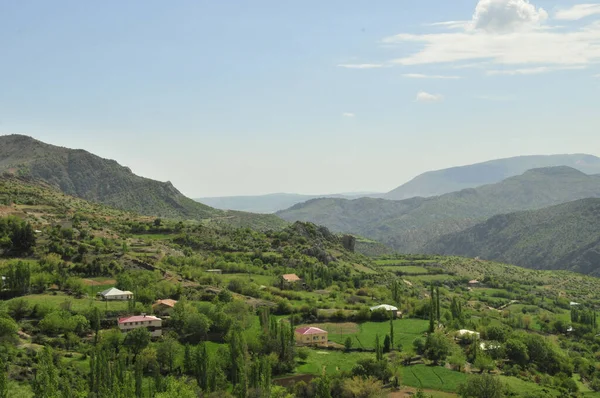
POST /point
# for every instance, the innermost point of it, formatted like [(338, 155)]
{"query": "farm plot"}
[(432, 377), (331, 361), (363, 335)]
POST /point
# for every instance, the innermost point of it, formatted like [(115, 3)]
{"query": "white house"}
[(388, 308), (152, 323), (115, 294), (470, 333)]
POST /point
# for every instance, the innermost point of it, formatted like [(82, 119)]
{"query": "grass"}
[(154, 236), (76, 304), (405, 332), (523, 387), (407, 269), (432, 377), (332, 361)]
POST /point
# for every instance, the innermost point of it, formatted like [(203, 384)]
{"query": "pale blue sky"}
[(239, 97)]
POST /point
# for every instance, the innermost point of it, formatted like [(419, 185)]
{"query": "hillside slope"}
[(90, 177), (453, 179), (565, 236), (270, 203), (409, 224)]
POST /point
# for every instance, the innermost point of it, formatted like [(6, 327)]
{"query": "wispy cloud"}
[(361, 66), (422, 76), (578, 11), (531, 71), (423, 96), (348, 114), (505, 32), (451, 24)]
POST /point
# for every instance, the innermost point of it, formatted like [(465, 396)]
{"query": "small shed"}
[(290, 278), (388, 308), (311, 336), (164, 306), (214, 271), (473, 282), (115, 294)]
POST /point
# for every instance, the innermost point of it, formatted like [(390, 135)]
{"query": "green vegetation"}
[(565, 236), (230, 330), (408, 225)]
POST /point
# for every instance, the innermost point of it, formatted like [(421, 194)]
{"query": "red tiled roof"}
[(310, 330), (138, 318), (290, 277)]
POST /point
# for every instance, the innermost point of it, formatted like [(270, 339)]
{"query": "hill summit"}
[(79, 173)]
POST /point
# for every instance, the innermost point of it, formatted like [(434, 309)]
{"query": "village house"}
[(290, 278), (214, 271), (310, 336), (115, 294), (164, 306), (388, 308), (473, 282), (152, 323)]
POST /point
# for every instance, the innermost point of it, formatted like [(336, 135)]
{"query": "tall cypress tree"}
[(45, 384), (3, 380), (437, 304), (392, 331)]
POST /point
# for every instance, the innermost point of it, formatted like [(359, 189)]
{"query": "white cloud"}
[(348, 114), (421, 76), (501, 16), (360, 66), (578, 11), (597, 75), (423, 96), (505, 32), (530, 71), (451, 24)]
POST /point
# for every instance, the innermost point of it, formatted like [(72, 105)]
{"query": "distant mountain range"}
[(408, 225), (566, 236), (432, 183), (439, 182), (82, 174), (270, 203)]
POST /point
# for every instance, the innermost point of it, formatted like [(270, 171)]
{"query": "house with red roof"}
[(152, 323), (311, 336)]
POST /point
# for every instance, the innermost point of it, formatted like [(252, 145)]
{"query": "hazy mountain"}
[(82, 174), (439, 182), (565, 236), (408, 225), (270, 203)]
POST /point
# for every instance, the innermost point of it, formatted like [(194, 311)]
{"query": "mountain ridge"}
[(409, 224), (82, 174), (565, 236), (439, 182)]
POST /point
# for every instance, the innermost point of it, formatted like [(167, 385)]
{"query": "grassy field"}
[(408, 269), (523, 387), (76, 304), (332, 361), (363, 335), (432, 377)]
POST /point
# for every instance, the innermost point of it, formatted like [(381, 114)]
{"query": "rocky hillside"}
[(453, 179), (90, 177), (410, 224), (565, 236)]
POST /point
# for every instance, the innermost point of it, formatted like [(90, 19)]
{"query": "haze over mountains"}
[(85, 175), (408, 225), (432, 183), (566, 236)]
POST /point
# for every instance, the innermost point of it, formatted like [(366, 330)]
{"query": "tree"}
[(167, 352), (322, 387), (19, 308), (196, 327), (386, 344), (392, 332), (378, 349), (3, 380), (348, 343), (8, 330), (516, 351), (437, 347), (137, 340), (484, 363), (46, 382), (482, 386), (360, 387)]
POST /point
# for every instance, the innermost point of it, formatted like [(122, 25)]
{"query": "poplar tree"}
[(45, 384), (3, 380)]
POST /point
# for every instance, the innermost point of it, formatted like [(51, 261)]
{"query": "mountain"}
[(439, 182), (408, 225), (565, 236), (90, 177), (270, 203)]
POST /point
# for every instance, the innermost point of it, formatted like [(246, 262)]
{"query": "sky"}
[(238, 97)]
